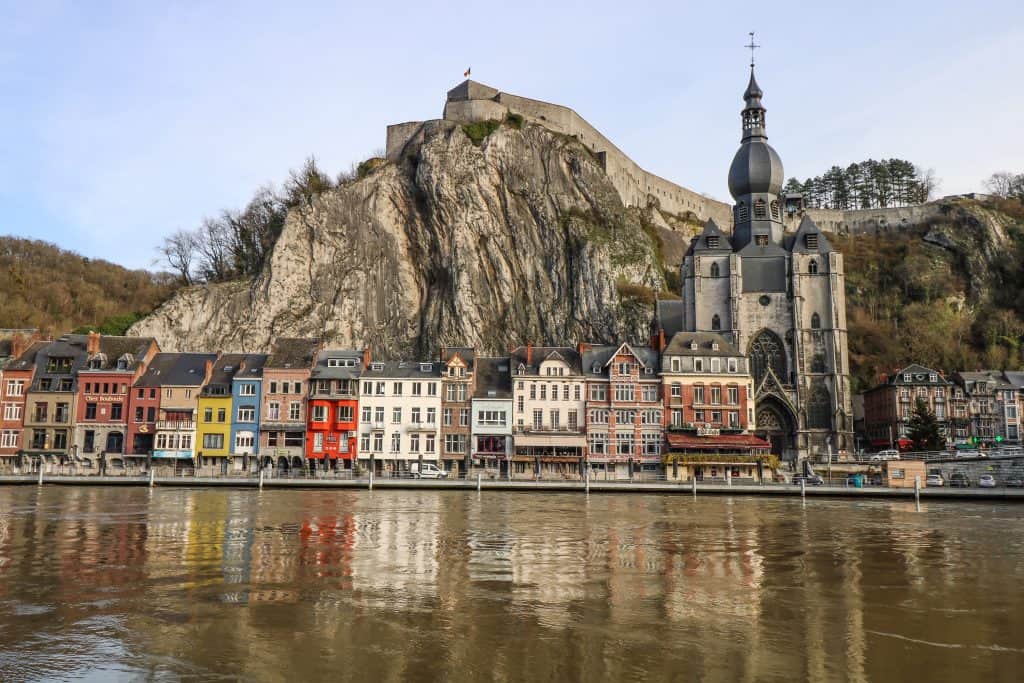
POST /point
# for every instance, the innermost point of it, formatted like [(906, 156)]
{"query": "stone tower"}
[(779, 297)]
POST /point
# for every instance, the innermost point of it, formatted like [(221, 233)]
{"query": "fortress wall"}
[(398, 137), (867, 221)]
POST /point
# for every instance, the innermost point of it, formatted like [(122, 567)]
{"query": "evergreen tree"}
[(924, 428)]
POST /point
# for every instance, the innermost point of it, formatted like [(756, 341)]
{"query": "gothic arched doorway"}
[(775, 424), (767, 351)]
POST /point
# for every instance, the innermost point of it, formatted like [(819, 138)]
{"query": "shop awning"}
[(731, 442), (556, 440)]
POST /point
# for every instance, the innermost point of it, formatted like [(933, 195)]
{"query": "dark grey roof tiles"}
[(293, 353), (345, 357), (700, 344), (670, 315), (176, 370), (493, 378), (403, 369), (538, 354), (809, 239)]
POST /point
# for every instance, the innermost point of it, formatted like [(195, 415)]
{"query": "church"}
[(779, 297)]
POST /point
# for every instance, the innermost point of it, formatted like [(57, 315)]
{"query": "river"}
[(163, 584)]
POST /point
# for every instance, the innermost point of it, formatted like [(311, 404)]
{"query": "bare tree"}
[(1006, 185), (177, 252), (927, 183)]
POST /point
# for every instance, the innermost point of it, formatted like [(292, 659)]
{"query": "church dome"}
[(756, 168)]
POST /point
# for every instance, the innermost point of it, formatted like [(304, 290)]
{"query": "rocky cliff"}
[(489, 242)]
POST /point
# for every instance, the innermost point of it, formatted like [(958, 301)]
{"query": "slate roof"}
[(602, 355), (669, 313), (1015, 378), (223, 372), (69, 346), (176, 370), (403, 369), (700, 242), (293, 353), (322, 371), (919, 374), (539, 354), (809, 227), (113, 347), (27, 360), (680, 345), (970, 380), (493, 378), (466, 353)]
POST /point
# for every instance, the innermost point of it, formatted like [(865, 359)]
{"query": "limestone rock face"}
[(522, 238)]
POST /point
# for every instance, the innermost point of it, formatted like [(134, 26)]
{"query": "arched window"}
[(775, 209), (715, 271), (812, 267), (742, 214), (767, 351), (819, 407), (716, 322), (760, 210), (815, 322)]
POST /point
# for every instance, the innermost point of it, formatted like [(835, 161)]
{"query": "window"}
[(345, 413), (734, 395), (274, 410), (380, 388), (415, 416), (811, 242), (319, 413), (273, 387), (712, 243), (698, 365), (456, 392), (732, 365), (734, 419), (742, 213), (247, 389), (565, 392), (677, 418), (366, 413), (38, 439), (761, 240), (138, 413), (364, 443), (432, 389), (815, 321), (396, 416), (625, 443), (15, 387), (544, 392), (573, 420), (715, 270), (576, 392), (625, 368), (538, 419), (716, 365), (533, 391), (716, 395), (455, 443), (812, 267), (246, 414), (151, 414), (60, 439), (598, 392), (624, 392), (378, 442), (417, 388), (430, 443), (492, 418), (463, 417), (9, 439), (775, 209), (555, 419), (396, 442), (367, 388), (207, 415), (651, 443), (414, 443), (90, 411), (341, 362), (716, 322), (116, 411), (698, 393), (520, 403), (396, 388), (447, 417), (213, 441), (676, 390), (378, 415), (598, 444)]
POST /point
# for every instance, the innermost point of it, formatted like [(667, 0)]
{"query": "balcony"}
[(421, 426), (175, 425)]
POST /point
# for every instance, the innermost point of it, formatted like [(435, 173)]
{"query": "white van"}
[(430, 471)]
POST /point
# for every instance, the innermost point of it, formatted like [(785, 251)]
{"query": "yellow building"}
[(213, 431)]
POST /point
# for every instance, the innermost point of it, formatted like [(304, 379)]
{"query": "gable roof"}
[(402, 369), (602, 356), (27, 360), (293, 353), (493, 378), (809, 227), (700, 242), (113, 348), (176, 370), (323, 371), (680, 345), (669, 315), (919, 374), (465, 353), (539, 354)]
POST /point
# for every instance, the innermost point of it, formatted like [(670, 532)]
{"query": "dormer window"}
[(95, 364), (811, 240), (906, 377), (596, 368), (933, 377), (693, 346), (712, 242), (341, 362), (714, 346), (426, 367), (376, 366), (521, 370)]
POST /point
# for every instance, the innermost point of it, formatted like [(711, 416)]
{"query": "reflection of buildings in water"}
[(326, 545), (396, 551)]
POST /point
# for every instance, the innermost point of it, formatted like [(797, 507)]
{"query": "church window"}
[(760, 210), (742, 215), (766, 351), (811, 241), (812, 267), (775, 209), (761, 240), (715, 271), (815, 321), (716, 322), (819, 408)]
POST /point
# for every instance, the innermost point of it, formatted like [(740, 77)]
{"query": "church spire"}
[(753, 113)]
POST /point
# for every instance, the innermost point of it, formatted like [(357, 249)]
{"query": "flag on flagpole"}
[(466, 74)]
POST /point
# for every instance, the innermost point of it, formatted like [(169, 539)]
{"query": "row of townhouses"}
[(681, 406), (972, 408)]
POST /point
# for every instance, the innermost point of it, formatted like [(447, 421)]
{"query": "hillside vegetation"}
[(46, 287), (948, 294)]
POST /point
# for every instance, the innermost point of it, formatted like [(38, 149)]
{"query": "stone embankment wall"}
[(469, 102)]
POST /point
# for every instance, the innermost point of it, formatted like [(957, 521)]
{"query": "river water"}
[(128, 583)]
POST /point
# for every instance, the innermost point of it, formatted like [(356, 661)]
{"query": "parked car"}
[(987, 481), (1015, 483), (887, 454), (429, 471), (959, 480), (934, 480), (811, 480)]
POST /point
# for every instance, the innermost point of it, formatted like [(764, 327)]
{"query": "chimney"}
[(208, 371), (367, 358), (583, 347), (529, 354), (661, 341), (92, 344), (18, 345)]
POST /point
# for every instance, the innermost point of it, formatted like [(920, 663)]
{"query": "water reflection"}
[(428, 585)]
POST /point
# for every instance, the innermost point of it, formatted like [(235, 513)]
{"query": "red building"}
[(16, 380), (333, 407), (102, 412)]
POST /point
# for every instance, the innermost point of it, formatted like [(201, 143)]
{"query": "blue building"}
[(246, 398)]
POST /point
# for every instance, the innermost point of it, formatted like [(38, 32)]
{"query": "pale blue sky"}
[(124, 121)]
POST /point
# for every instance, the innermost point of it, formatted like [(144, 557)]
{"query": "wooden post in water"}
[(693, 484), (917, 488), (586, 478), (803, 488), (371, 479), (479, 479), (261, 479), (40, 472), (151, 477)]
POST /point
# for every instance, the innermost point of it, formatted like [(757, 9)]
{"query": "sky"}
[(121, 122)]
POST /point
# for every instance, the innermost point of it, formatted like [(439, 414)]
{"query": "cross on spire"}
[(753, 46)]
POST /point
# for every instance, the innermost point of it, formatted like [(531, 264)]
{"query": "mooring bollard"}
[(693, 485), (40, 474), (152, 477), (917, 488), (371, 480), (586, 478), (803, 488), (479, 477), (261, 480), (728, 477)]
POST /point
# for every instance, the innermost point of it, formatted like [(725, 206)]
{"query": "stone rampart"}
[(868, 221)]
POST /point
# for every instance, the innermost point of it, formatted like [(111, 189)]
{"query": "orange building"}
[(333, 407)]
